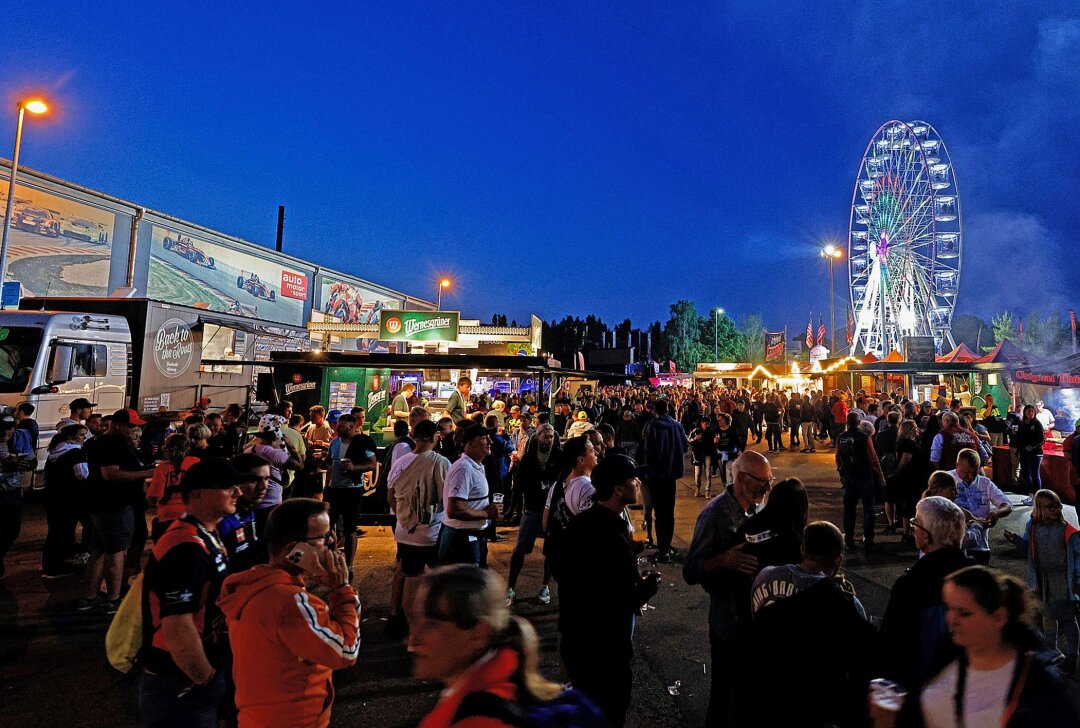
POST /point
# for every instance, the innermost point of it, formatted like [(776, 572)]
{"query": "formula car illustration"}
[(186, 249), (38, 220), (82, 229), (254, 286)]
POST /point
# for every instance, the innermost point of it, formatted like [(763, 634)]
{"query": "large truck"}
[(152, 356)]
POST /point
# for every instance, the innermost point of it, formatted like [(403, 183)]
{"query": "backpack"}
[(845, 452), (571, 709), (123, 641)]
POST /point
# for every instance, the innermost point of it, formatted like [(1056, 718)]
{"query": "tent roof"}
[(894, 356), (868, 358), (1006, 352), (960, 354)]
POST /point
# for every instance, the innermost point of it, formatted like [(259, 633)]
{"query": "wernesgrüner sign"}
[(418, 325)]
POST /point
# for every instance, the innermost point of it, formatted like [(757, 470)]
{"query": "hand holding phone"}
[(307, 558)]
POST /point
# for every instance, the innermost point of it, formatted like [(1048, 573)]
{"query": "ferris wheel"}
[(905, 243)]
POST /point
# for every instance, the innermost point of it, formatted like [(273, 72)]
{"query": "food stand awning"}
[(1004, 353)]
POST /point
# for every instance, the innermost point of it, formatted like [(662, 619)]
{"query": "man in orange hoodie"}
[(286, 642)]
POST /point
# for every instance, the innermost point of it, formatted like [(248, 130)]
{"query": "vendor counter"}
[(1056, 471)]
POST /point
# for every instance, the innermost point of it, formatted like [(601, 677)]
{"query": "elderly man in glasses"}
[(716, 553)]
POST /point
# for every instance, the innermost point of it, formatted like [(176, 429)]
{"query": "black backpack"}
[(846, 445)]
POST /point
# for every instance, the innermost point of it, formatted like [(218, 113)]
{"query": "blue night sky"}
[(567, 158)]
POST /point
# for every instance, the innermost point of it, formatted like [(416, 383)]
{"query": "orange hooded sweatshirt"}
[(286, 643)]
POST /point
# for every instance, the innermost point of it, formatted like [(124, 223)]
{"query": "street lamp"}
[(715, 340), (443, 283), (831, 253), (36, 107)]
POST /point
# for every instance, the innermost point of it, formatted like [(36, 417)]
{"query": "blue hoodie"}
[(665, 448)]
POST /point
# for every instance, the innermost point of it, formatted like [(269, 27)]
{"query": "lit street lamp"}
[(832, 253), (715, 340), (36, 107), (443, 283)]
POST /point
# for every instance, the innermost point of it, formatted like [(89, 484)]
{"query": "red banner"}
[(294, 285)]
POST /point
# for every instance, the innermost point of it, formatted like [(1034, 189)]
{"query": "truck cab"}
[(49, 358)]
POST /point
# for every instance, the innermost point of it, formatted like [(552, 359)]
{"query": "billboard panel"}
[(351, 303), (193, 271), (58, 246), (419, 325)]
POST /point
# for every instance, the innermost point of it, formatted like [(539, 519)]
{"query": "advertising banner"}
[(195, 272), (57, 246), (418, 325), (774, 346), (351, 303)]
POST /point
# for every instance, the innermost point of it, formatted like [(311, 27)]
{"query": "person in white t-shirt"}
[(416, 483), (466, 502), (998, 676)]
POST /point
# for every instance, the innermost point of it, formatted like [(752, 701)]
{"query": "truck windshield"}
[(19, 346)]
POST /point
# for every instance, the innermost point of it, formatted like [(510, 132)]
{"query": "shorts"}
[(113, 531), (530, 528), (414, 558), (344, 504)]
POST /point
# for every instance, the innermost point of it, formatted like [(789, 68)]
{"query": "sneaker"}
[(497, 538), (110, 606), (511, 597), (81, 559), (87, 603), (544, 597)]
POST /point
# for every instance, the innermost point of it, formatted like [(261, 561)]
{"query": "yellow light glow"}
[(444, 283), (35, 106)]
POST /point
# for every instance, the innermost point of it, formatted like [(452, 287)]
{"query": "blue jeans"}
[(1030, 462), (856, 488), (162, 706)]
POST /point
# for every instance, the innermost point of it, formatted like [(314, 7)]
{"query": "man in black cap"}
[(184, 642), (601, 591), (466, 502), (115, 484), (80, 408)]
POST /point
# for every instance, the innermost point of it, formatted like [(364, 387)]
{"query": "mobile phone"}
[(306, 557)]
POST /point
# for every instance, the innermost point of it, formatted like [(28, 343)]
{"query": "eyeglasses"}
[(918, 525), (328, 538), (767, 482)]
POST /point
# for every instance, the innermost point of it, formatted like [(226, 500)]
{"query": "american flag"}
[(810, 331), (850, 333), (820, 331)]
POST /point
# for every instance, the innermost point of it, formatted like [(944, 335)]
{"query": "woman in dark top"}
[(65, 477), (912, 470), (1028, 442), (703, 446), (774, 534)]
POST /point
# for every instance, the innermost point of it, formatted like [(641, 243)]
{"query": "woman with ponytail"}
[(463, 635), (998, 679)]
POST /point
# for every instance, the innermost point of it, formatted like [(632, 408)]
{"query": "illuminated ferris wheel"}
[(905, 243)]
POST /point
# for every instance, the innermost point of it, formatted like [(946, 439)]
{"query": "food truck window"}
[(221, 342)]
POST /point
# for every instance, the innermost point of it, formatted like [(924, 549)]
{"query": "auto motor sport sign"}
[(294, 285), (418, 325)]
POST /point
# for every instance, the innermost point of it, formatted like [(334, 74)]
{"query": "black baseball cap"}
[(81, 403), (475, 431), (212, 474), (613, 470)]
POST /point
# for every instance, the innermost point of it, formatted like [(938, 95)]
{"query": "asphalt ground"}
[(53, 669)]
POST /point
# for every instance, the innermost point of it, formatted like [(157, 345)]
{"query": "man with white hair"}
[(913, 626)]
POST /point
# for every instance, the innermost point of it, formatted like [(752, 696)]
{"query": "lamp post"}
[(715, 338), (443, 283), (36, 107), (831, 253)]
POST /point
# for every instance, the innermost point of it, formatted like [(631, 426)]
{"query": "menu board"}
[(342, 396)]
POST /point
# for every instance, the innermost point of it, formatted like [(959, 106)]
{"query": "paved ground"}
[(53, 670)]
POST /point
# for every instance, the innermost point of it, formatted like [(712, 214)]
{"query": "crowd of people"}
[(246, 596)]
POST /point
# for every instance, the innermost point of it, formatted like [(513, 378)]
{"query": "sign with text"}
[(418, 325)]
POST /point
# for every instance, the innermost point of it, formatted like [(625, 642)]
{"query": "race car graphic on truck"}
[(186, 249), (255, 286)]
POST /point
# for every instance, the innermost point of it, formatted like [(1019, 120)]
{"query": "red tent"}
[(961, 354), (1004, 353), (869, 358), (893, 357)]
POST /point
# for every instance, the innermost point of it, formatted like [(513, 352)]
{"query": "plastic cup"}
[(497, 498)]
